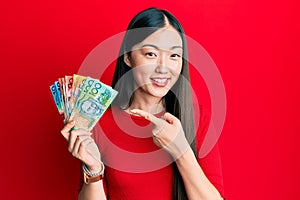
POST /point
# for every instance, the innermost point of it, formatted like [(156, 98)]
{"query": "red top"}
[(135, 168)]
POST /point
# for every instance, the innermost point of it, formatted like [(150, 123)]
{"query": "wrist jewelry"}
[(90, 177)]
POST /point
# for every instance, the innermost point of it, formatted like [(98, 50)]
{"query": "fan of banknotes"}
[(82, 99)]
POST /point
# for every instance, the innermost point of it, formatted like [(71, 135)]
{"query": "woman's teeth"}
[(160, 80)]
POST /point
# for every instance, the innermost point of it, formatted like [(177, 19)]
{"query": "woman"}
[(152, 79)]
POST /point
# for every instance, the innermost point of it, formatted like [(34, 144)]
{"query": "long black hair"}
[(178, 101)]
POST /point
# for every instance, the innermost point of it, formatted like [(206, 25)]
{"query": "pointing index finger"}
[(156, 121)]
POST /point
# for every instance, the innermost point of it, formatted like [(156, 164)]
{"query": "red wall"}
[(255, 46)]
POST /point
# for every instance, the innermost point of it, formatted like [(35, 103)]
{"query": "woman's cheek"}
[(140, 78)]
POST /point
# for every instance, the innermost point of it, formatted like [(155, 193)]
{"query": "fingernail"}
[(133, 111)]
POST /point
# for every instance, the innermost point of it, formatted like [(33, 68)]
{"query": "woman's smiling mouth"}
[(160, 82)]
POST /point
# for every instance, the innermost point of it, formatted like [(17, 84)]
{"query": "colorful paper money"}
[(57, 97), (82, 99)]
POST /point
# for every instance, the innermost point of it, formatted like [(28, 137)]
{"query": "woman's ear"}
[(127, 59)]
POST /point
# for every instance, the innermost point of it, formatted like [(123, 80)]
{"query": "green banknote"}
[(92, 102), (82, 99)]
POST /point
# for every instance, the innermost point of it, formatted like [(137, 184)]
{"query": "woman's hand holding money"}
[(83, 146)]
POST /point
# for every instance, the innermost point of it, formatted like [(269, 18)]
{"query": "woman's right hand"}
[(82, 146)]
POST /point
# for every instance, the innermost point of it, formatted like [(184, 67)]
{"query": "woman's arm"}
[(83, 147), (92, 191), (196, 184), (168, 134)]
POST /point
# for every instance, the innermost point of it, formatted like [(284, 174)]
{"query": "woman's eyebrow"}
[(150, 45), (174, 47), (156, 47)]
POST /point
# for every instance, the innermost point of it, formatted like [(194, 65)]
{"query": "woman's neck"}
[(150, 104)]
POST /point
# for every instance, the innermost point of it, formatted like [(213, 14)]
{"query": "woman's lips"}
[(160, 82)]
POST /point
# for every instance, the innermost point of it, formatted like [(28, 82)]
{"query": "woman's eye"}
[(150, 54), (175, 55)]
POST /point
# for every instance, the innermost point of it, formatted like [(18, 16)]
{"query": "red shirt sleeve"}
[(211, 163)]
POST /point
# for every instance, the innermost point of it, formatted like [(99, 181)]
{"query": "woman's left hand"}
[(167, 132)]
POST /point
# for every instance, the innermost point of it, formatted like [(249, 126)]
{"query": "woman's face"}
[(157, 62)]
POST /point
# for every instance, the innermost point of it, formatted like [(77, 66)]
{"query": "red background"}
[(255, 45)]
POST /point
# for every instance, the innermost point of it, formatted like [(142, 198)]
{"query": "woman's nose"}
[(162, 65)]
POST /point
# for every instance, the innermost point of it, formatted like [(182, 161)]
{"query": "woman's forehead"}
[(166, 38)]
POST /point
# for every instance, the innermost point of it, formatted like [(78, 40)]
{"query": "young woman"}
[(148, 142)]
